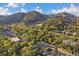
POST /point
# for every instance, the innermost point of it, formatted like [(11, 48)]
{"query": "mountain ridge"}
[(35, 17)]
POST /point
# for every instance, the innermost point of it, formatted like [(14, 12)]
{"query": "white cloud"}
[(38, 9), (23, 10), (1, 7), (72, 10), (4, 11), (13, 5), (72, 5)]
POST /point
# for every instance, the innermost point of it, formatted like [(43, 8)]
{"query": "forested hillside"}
[(58, 35)]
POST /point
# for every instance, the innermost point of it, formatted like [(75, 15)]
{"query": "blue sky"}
[(45, 8)]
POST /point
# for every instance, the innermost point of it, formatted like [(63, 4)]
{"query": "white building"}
[(39, 24), (14, 39)]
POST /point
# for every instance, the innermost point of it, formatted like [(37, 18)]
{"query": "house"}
[(70, 42), (15, 39), (71, 33), (74, 33), (39, 24)]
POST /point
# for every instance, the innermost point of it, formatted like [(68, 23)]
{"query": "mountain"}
[(62, 19), (9, 19), (65, 18), (35, 17), (29, 18)]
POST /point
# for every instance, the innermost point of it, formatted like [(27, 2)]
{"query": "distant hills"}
[(35, 17), (66, 18)]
